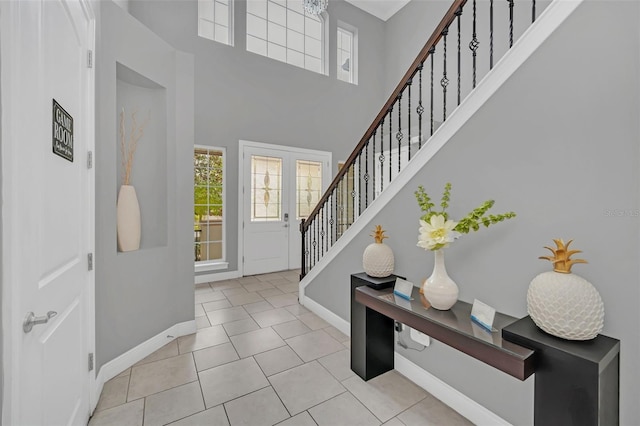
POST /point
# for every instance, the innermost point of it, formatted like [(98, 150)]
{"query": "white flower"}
[(437, 233)]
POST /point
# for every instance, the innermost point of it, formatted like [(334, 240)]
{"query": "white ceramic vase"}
[(128, 219), (439, 289), (378, 260), (565, 305)]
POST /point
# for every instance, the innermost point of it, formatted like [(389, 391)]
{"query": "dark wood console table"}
[(576, 382), (372, 325)]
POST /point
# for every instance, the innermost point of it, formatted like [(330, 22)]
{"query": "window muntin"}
[(266, 188), (215, 20), (345, 51), (208, 181), (282, 30)]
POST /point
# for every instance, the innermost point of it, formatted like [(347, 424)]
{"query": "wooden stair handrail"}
[(413, 69)]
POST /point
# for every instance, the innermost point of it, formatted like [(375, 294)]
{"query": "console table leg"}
[(372, 341)]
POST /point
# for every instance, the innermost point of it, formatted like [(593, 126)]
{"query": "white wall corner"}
[(117, 365), (324, 313)]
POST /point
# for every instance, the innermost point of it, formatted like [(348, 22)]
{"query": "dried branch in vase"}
[(128, 148)]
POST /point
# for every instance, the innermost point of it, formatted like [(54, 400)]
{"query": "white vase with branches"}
[(128, 208)]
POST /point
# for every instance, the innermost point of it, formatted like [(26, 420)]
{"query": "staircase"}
[(441, 86)]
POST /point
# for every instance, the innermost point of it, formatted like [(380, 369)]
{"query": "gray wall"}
[(141, 293), (241, 95), (558, 144)]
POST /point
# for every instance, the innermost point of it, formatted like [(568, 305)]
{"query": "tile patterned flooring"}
[(260, 358)]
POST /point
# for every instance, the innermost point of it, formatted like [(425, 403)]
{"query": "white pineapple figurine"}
[(377, 259), (564, 304)]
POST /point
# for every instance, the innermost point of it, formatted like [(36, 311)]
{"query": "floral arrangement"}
[(437, 230), (128, 149)]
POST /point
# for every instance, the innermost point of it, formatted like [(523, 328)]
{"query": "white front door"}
[(281, 186), (47, 212)]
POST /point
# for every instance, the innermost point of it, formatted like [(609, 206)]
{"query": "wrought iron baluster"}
[(326, 221), (510, 23), (366, 175), (432, 51), (313, 242), (473, 44), (321, 216), (490, 34), (359, 184), (459, 14), (303, 267), (332, 218), (353, 193), (409, 120), (381, 158), (390, 140), (533, 11), (444, 82), (399, 135), (339, 209), (420, 108), (373, 166)]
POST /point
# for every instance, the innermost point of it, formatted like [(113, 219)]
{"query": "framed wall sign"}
[(62, 132)]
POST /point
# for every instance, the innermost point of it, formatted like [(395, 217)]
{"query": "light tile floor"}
[(260, 358)]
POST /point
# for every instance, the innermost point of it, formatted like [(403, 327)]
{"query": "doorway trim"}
[(242, 144), (11, 327)]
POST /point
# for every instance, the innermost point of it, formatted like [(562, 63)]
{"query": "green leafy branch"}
[(471, 221)]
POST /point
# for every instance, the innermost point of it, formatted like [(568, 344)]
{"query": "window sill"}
[(211, 266)]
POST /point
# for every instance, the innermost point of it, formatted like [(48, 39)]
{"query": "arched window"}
[(282, 30)]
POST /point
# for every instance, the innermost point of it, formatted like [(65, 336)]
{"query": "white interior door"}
[(280, 187), (47, 128)]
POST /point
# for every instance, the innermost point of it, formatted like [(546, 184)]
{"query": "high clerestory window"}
[(282, 30), (215, 20), (346, 52)]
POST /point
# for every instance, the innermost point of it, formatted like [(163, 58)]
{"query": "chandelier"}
[(315, 7)]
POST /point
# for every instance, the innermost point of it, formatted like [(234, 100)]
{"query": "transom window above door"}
[(282, 30)]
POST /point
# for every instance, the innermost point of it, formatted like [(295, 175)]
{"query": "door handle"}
[(31, 319)]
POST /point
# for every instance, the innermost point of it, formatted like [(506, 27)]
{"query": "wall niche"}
[(148, 100)]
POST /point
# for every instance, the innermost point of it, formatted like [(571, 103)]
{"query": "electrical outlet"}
[(419, 337)]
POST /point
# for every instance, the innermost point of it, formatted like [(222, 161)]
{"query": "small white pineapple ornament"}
[(377, 259), (564, 304)]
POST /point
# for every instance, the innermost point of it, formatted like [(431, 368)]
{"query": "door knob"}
[(31, 319)]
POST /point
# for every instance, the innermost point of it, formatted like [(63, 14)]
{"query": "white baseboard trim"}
[(458, 401), (474, 412), (533, 37), (117, 365), (207, 278), (333, 319)]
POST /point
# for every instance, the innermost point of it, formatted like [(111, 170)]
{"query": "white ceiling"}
[(383, 9)]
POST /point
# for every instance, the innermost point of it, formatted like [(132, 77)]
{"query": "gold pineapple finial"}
[(561, 258), (378, 234)]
